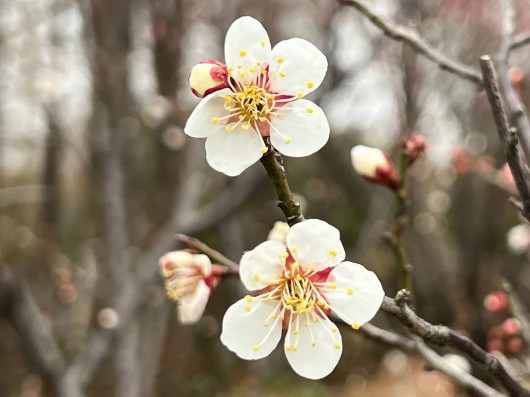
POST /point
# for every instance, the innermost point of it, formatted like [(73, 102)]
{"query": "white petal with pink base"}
[(300, 285)]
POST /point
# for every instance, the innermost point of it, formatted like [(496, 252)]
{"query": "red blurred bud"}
[(415, 147), (496, 302), (511, 327), (495, 344), (515, 346)]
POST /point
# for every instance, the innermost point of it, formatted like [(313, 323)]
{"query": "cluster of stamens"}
[(300, 301)]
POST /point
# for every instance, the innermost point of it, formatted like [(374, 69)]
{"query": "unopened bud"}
[(373, 165), (511, 327), (279, 232), (414, 147), (496, 302), (207, 77)]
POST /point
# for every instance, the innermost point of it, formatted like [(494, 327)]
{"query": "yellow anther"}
[(294, 248), (240, 95), (310, 110), (256, 347), (239, 66), (241, 117), (334, 329), (247, 307), (311, 268), (355, 326), (315, 320), (262, 42), (349, 291), (299, 277), (313, 344), (256, 277), (293, 348), (248, 298), (229, 70), (252, 69), (264, 72), (284, 255), (279, 60), (274, 317), (242, 53), (282, 317), (282, 74), (299, 95), (320, 303), (332, 253), (265, 324), (245, 127), (228, 99), (332, 285), (242, 73), (309, 84), (295, 332), (215, 120), (295, 265), (264, 149), (228, 128), (288, 140), (337, 345)]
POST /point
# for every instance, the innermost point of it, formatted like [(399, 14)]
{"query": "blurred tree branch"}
[(418, 43)]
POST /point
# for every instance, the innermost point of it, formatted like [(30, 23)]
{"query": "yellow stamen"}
[(349, 291), (309, 84), (262, 42), (299, 95), (279, 60), (242, 53), (256, 347), (282, 74), (356, 326), (215, 120)]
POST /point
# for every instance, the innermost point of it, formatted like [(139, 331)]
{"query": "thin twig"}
[(416, 42), (445, 336), (519, 41), (518, 309), (506, 135), (273, 163), (194, 243), (417, 346)]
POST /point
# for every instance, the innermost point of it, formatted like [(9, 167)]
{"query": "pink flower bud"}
[(415, 147), (207, 77), (515, 346), (189, 281), (496, 302), (495, 345), (511, 327), (374, 165)]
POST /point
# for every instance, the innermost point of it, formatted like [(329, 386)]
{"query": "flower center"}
[(251, 104)]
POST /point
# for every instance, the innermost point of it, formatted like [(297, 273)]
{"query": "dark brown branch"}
[(506, 135), (417, 346), (273, 163), (444, 336), (416, 42)]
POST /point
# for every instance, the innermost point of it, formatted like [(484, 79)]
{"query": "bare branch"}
[(416, 42), (213, 254), (417, 346), (520, 41), (445, 336), (506, 135)]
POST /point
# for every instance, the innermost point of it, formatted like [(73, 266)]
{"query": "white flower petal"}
[(303, 67), (316, 243), (358, 293), (199, 124), (192, 307), (261, 265), (246, 44), (233, 152), (313, 360), (300, 131), (244, 330)]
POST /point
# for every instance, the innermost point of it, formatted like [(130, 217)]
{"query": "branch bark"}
[(411, 38)]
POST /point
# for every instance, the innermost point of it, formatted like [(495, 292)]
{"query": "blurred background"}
[(97, 175)]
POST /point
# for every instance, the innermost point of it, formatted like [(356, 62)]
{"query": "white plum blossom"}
[(518, 238), (374, 165), (188, 281), (264, 98), (299, 285)]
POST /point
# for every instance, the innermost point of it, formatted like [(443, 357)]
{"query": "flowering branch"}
[(417, 346), (273, 163), (506, 135), (444, 336), (418, 43)]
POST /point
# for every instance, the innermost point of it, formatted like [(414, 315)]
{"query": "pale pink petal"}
[(318, 347), (358, 293), (315, 244), (300, 130), (297, 67), (260, 266), (191, 307), (249, 329), (200, 124)]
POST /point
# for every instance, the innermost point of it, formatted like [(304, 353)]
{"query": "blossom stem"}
[(198, 245), (273, 163), (400, 222)]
